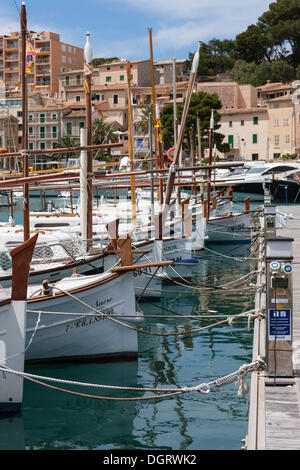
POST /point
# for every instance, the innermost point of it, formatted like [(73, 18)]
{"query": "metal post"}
[(279, 303), (270, 220)]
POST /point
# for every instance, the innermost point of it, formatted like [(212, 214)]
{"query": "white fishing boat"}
[(12, 330)]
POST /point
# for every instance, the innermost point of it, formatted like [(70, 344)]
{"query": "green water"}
[(54, 420)]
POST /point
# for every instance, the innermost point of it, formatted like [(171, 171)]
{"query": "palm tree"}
[(143, 122), (67, 141), (103, 133)]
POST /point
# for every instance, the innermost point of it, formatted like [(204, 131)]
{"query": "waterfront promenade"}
[(274, 414)]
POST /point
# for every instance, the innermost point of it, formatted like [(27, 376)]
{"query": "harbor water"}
[(55, 420)]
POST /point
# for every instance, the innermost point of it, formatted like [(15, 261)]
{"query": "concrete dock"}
[(274, 414)]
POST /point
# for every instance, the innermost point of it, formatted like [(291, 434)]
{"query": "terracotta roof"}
[(281, 98), (258, 109), (76, 114), (274, 86)]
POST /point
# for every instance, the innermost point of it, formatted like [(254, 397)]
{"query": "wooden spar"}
[(88, 100), (172, 170), (132, 182), (23, 21), (64, 150), (68, 176), (211, 130)]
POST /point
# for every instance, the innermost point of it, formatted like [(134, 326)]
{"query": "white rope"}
[(203, 388)]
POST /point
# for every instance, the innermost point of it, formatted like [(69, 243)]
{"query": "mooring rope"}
[(203, 388)]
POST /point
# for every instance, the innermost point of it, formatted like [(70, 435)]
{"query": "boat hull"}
[(84, 338)]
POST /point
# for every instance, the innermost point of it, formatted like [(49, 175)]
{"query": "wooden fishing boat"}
[(78, 318), (12, 330)]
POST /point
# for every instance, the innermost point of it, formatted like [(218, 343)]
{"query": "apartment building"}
[(246, 131), (165, 70), (270, 91), (54, 57), (45, 126), (281, 128)]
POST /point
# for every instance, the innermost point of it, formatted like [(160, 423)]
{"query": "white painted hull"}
[(235, 228), (84, 338), (12, 340)]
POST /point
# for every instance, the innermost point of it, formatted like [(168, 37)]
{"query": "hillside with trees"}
[(267, 50)]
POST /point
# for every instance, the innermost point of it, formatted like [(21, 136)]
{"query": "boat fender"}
[(46, 288), (169, 153)]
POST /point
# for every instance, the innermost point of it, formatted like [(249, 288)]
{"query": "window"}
[(242, 122), (286, 121), (81, 125), (54, 117), (77, 98), (122, 77), (255, 120), (63, 47), (42, 132), (276, 140), (42, 118), (54, 132), (287, 139), (63, 59), (254, 138), (230, 123), (30, 117), (78, 79), (254, 157), (276, 105), (30, 146), (230, 140), (276, 122), (69, 128), (30, 130), (115, 99), (67, 80), (19, 113), (42, 145), (107, 68), (20, 127), (108, 79)]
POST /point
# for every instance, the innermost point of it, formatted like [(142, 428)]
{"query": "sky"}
[(120, 28)]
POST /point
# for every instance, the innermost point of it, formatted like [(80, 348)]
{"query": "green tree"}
[(201, 105), (253, 45), (281, 24), (215, 57), (258, 75), (101, 60), (103, 133), (67, 141), (143, 122)]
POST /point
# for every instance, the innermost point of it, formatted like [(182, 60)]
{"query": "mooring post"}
[(270, 220), (279, 303)]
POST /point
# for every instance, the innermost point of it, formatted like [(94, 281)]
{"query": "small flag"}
[(31, 50), (158, 123), (28, 67), (86, 86), (88, 69)]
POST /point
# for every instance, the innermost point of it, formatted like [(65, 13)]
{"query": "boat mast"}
[(23, 21), (131, 157), (174, 165), (211, 130), (88, 57), (154, 105)]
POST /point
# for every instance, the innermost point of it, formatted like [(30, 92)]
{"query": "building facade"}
[(53, 58)]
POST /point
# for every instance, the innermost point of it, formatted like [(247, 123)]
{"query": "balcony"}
[(13, 57), (12, 45), (43, 71), (42, 61)]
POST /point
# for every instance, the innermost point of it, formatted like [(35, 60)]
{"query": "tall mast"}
[(153, 100), (23, 22), (88, 57), (211, 130), (172, 172), (174, 102), (132, 181)]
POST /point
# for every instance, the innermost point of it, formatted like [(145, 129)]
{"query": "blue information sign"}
[(280, 325)]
